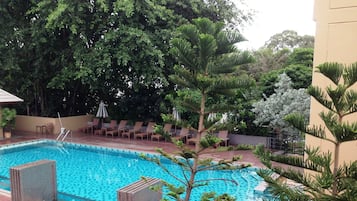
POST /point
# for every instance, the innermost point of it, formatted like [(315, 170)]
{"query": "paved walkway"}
[(140, 145)]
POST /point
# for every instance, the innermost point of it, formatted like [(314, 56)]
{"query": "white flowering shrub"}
[(284, 101)]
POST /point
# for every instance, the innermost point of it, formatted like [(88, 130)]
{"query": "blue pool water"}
[(96, 173)]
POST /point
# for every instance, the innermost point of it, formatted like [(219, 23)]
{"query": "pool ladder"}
[(63, 134)]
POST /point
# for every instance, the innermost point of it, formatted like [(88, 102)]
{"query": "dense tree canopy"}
[(297, 65), (67, 55), (287, 53), (289, 39)]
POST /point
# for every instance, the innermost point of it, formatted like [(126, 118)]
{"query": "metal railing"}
[(63, 134)]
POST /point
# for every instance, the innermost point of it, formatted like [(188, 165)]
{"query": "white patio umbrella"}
[(102, 111), (176, 116), (212, 116), (224, 118)]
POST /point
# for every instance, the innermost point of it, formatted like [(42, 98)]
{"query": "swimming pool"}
[(96, 173)]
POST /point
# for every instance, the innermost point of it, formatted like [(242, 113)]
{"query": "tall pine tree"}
[(207, 60)]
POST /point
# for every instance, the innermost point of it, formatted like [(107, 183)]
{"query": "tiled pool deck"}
[(124, 143)]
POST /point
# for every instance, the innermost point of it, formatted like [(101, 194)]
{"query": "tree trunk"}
[(201, 121), (42, 101), (335, 169), (197, 148), (189, 187)]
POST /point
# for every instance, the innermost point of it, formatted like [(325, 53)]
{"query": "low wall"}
[(235, 139), (29, 123), (23, 187)]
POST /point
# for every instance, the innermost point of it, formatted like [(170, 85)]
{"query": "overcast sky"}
[(275, 16)]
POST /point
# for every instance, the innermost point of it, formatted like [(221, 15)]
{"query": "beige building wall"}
[(335, 41)]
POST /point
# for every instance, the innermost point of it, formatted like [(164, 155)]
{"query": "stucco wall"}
[(335, 41), (29, 123)]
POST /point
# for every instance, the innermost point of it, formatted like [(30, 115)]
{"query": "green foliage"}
[(301, 77), (244, 147), (67, 55), (285, 100), (213, 197), (331, 180), (205, 74), (207, 59), (266, 60), (289, 39), (302, 56), (184, 159), (8, 118)]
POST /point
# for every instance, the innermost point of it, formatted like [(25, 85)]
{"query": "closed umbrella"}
[(102, 112), (224, 118), (176, 116), (212, 117)]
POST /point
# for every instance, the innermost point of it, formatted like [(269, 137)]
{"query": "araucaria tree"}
[(207, 60), (324, 176)]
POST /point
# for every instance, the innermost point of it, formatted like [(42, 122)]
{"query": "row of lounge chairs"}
[(139, 131)]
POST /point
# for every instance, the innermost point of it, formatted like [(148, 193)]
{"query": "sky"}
[(275, 16)]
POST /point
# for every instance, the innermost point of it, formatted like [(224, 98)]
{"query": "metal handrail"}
[(63, 134)]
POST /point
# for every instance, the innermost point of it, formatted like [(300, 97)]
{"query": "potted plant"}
[(8, 121)]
